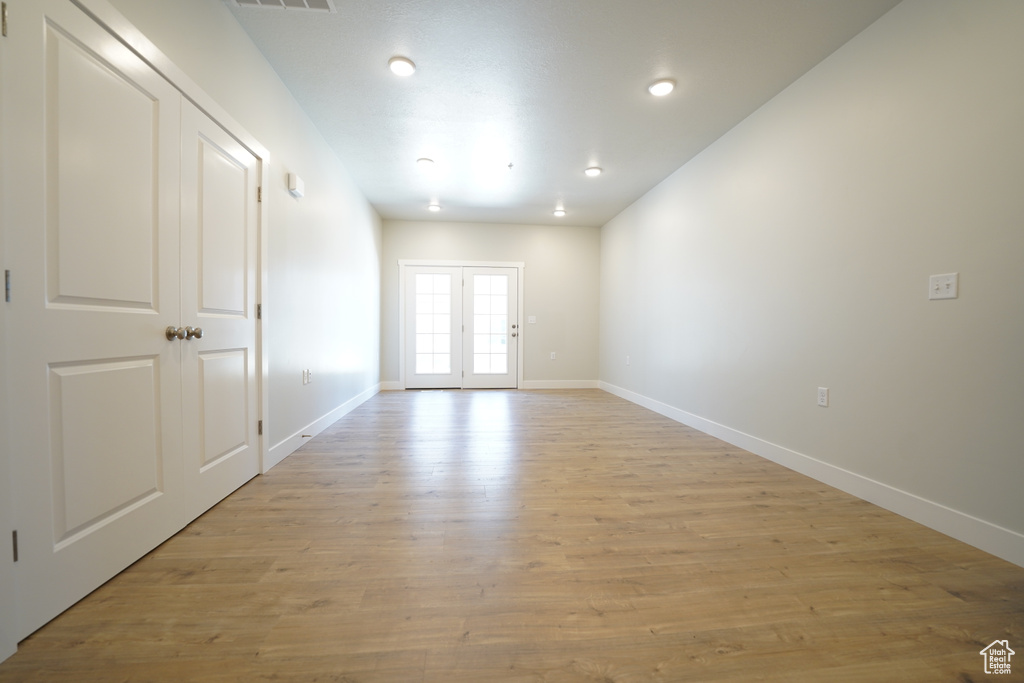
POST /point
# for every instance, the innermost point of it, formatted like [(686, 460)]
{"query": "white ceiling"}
[(550, 86)]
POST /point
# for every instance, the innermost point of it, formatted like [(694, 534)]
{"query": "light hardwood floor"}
[(536, 536)]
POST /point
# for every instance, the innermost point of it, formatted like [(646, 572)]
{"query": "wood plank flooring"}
[(536, 536)]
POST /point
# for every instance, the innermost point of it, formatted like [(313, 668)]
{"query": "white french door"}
[(461, 327), (491, 338), (433, 324)]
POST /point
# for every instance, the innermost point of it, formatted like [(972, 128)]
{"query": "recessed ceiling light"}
[(401, 66), (425, 163), (559, 212), (593, 171), (434, 207), (662, 87)]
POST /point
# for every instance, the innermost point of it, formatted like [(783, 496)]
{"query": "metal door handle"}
[(514, 334), (194, 332), (173, 332)]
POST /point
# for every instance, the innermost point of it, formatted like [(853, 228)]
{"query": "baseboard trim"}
[(290, 444), (559, 384), (392, 386), (999, 541)]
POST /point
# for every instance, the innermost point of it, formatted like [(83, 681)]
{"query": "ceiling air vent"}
[(307, 5)]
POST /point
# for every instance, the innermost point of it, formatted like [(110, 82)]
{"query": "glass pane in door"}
[(490, 324), (433, 323)]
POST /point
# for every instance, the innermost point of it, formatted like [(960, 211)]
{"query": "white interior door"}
[(491, 340), (461, 327), (97, 474), (433, 327), (218, 296)]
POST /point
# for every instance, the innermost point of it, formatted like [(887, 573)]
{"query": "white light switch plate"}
[(944, 286)]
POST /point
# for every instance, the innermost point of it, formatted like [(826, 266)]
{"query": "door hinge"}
[(259, 311), (7, 286), (3, 18), (259, 193), (14, 542), (259, 427)]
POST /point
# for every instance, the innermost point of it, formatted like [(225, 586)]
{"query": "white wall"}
[(560, 290), (795, 253), (322, 307)]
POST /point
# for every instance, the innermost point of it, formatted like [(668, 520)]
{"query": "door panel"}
[(218, 294), (224, 414), (98, 405), (102, 470), (100, 114), (433, 329), (223, 228), (492, 332)]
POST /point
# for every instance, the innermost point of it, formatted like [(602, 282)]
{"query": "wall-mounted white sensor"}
[(296, 187)]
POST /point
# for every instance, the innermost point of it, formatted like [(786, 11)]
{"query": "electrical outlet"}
[(627, 360), (944, 286), (553, 355), (309, 376), (305, 377), (823, 397)]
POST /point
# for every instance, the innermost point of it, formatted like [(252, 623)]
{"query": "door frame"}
[(8, 635), (520, 266)]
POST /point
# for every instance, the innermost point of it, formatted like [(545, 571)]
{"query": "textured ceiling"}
[(550, 86)]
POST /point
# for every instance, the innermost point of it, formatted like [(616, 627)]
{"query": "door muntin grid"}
[(433, 324), (490, 324)]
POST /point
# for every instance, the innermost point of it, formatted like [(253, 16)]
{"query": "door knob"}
[(193, 332), (514, 334), (173, 332)]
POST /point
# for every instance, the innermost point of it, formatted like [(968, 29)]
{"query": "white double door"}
[(133, 228), (461, 327)]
